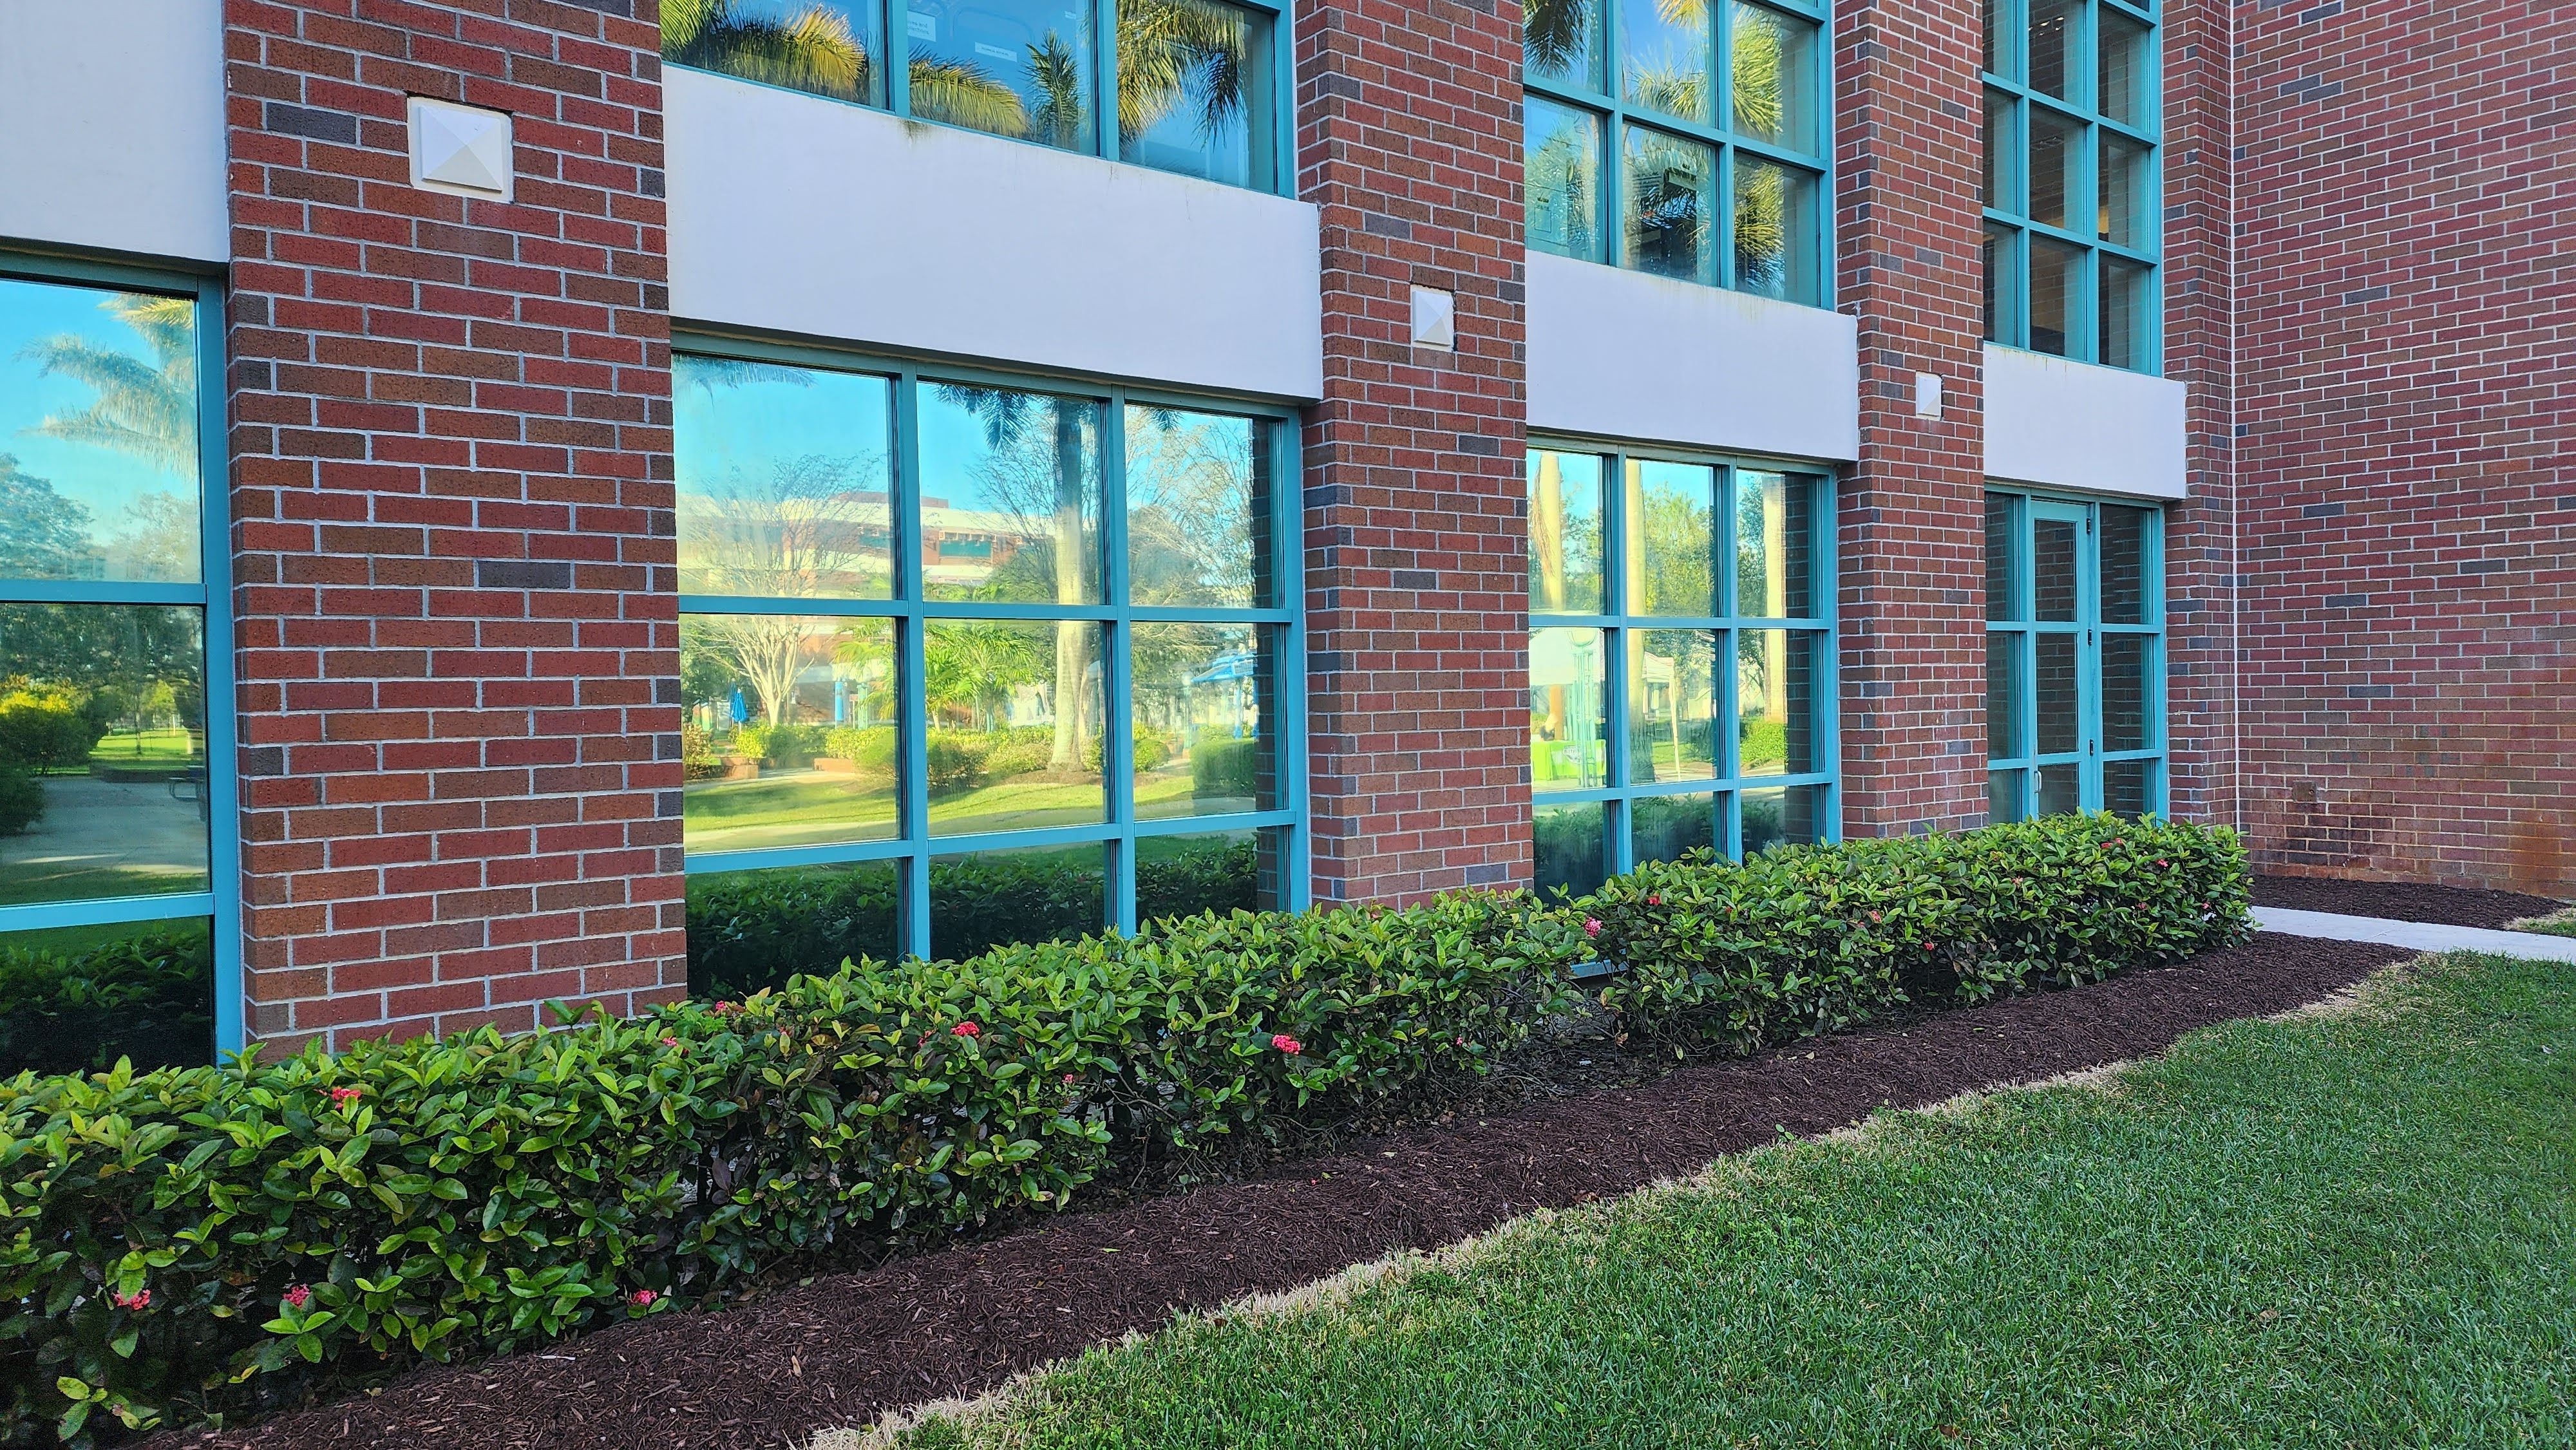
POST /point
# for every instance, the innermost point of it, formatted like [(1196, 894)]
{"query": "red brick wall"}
[(2407, 326), (1908, 116), (1409, 139), (451, 465)]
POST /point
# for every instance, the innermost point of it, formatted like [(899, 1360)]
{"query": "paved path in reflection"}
[(109, 825)]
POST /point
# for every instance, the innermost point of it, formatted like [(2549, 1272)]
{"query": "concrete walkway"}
[(2423, 936)]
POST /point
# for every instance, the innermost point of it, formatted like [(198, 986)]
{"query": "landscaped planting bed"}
[(2404, 901), (202, 1242)]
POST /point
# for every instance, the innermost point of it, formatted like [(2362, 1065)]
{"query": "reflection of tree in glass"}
[(1680, 564), (1761, 226), (147, 409), (973, 666), (1038, 466), (1759, 51), (1559, 182), (43, 535), (139, 666), (812, 50), (816, 525), (1189, 508), (1176, 51), (767, 650), (1556, 35)]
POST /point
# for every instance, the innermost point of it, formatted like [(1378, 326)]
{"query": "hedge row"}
[(199, 1243)]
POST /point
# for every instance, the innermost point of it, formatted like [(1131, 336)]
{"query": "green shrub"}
[(22, 800), (1804, 939), (870, 747), (1221, 768), (1219, 878), (1153, 748), (149, 996), (1018, 757), (956, 758), (46, 728), (327, 1216)]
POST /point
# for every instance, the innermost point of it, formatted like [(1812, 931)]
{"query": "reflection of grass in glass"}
[(1689, 758), (79, 938), (27, 884), (170, 746)]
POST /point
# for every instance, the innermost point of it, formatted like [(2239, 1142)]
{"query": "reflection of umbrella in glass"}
[(1237, 668)]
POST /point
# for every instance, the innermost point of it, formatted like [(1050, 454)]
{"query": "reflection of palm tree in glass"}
[(1556, 35), (815, 50), (1170, 51), (974, 665), (1559, 183), (146, 409)]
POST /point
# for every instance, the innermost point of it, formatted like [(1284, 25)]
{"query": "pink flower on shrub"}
[(723, 1009), (297, 1296), (1462, 1042), (1071, 1078), (1878, 916), (343, 1096), (139, 1299), (670, 1042), (1287, 1044), (642, 1298), (965, 1029), (1591, 926), (2162, 862), (1656, 899)]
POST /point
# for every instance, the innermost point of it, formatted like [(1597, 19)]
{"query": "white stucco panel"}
[(1621, 354), (795, 214), (2079, 425), (112, 126)]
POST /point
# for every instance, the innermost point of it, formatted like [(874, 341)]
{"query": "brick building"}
[(509, 502)]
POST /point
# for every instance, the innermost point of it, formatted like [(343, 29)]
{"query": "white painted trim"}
[(112, 126), (798, 215), (2064, 424)]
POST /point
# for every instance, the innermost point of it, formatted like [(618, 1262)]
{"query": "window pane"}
[(102, 752), (1672, 205), (1569, 719), (2061, 789), (1187, 875), (785, 480), (1775, 546), (1775, 230), (2053, 691), (1190, 89), (749, 930), (2052, 573), (2124, 215), (98, 435), (1672, 705), (1200, 700), (1562, 40), (822, 46), (984, 899), (1672, 538), (2124, 314), (1775, 68), (2003, 696), (1198, 487), (1775, 701), (1010, 495), (2129, 787), (1015, 724), (1012, 67), (1563, 178), (2054, 270), (2001, 151), (2004, 795), (2126, 692), (2054, 61), (1783, 815), (1998, 37), (2003, 288), (2123, 45), (1669, 827), (1565, 532), (1666, 51), (2000, 602), (789, 737), (80, 997), (2056, 175), (1570, 848), (2125, 584)]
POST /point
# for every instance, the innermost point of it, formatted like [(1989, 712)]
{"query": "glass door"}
[(2074, 657)]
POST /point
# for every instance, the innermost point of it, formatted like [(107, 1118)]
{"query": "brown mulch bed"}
[(2402, 900), (843, 1349)]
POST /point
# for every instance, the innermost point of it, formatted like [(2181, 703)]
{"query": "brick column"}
[(1908, 115), (1416, 539), (452, 505)]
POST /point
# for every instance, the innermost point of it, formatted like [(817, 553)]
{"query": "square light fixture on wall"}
[(460, 150)]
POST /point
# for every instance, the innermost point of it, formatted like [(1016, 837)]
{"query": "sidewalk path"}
[(2423, 936)]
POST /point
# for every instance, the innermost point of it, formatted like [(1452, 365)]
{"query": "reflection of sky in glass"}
[(109, 480), (733, 424)]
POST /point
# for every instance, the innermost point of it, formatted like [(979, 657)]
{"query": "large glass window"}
[(2074, 657), (1680, 137), (1194, 80), (115, 725), (1681, 659), (2071, 179), (968, 661)]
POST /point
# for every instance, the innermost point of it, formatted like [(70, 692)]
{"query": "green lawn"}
[(2333, 1231), (170, 746), (2558, 923), (804, 807)]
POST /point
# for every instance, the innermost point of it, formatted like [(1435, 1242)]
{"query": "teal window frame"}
[(1616, 115), (914, 845), (1271, 116), (220, 903), (2009, 214), (1617, 620), (2018, 626)]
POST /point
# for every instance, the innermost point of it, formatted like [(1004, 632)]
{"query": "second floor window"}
[(1680, 137), (1191, 78)]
